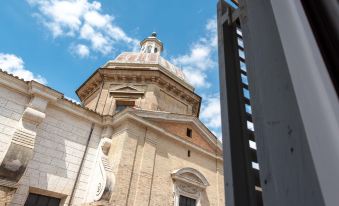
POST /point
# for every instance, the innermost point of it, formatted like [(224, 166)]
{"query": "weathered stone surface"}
[(6, 195)]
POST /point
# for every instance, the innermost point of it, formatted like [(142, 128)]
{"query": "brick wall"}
[(180, 130)]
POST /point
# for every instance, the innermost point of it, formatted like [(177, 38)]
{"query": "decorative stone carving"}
[(102, 177), (126, 91), (190, 183), (20, 150), (188, 188)]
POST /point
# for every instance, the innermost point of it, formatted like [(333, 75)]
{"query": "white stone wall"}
[(58, 151), (12, 106)]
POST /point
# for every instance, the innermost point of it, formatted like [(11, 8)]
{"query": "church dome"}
[(149, 58), (150, 54)]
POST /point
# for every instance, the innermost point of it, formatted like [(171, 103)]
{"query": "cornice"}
[(37, 89), (122, 75), (140, 75), (55, 98), (13, 82), (90, 84), (149, 66), (78, 110)]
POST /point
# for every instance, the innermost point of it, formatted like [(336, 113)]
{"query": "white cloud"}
[(82, 20), (196, 63), (210, 111), (15, 65), (81, 50), (201, 56), (196, 77), (211, 27)]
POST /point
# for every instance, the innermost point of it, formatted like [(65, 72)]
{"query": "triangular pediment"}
[(178, 125), (126, 89), (174, 126), (180, 129)]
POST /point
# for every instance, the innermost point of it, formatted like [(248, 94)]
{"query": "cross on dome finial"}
[(151, 44)]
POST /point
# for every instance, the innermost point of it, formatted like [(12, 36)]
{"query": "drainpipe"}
[(87, 144), (81, 165)]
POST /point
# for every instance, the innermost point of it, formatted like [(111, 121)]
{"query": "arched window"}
[(149, 49), (155, 50), (189, 184)]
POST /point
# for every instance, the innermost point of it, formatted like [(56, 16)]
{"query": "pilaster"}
[(124, 158), (146, 172)]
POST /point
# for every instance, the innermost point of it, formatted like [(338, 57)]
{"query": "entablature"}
[(124, 76)]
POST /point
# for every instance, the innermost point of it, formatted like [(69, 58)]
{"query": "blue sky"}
[(61, 43)]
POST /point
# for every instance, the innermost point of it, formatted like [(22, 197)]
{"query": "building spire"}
[(151, 44)]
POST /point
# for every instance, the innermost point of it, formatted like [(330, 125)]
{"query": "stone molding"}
[(37, 89), (145, 75), (33, 115), (152, 61), (13, 82), (190, 176), (188, 182), (55, 98)]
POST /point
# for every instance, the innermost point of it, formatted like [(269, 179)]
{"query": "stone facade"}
[(127, 144)]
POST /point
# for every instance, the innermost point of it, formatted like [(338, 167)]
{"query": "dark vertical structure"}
[(241, 179), (290, 73)]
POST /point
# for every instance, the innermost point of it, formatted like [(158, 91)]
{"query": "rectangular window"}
[(246, 93), (250, 126), (253, 145), (241, 53), (248, 108), (121, 105), (240, 43), (239, 32), (189, 132), (255, 165), (243, 66), (41, 200), (186, 201), (244, 79)]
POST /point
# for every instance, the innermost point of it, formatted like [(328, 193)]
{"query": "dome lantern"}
[(151, 44)]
